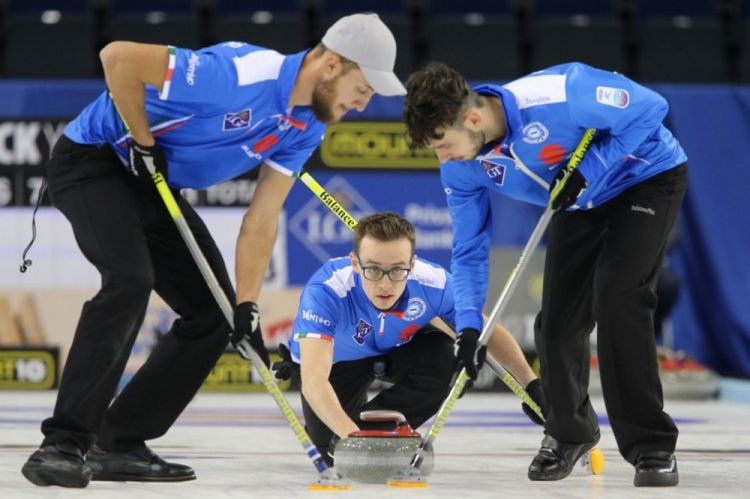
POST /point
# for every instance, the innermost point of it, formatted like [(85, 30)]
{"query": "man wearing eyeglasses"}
[(375, 313)]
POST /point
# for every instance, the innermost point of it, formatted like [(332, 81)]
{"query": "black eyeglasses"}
[(372, 273)]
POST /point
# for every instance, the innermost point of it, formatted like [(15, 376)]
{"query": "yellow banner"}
[(362, 144), (232, 373), (28, 369)]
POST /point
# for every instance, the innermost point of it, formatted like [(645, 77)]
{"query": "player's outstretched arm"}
[(316, 359), (258, 232)]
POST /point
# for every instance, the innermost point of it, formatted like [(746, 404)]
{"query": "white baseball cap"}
[(366, 40)]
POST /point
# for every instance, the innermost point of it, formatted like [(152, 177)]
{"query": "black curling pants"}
[(601, 268), (124, 230)]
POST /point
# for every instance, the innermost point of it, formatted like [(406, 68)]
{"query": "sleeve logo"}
[(193, 62), (311, 316), (615, 97)]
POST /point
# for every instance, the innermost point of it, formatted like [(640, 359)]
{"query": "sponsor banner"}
[(25, 146), (28, 368), (28, 143), (315, 234), (232, 373), (20, 188), (367, 144)]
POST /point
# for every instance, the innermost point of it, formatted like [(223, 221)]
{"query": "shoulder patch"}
[(341, 281), (261, 65), (427, 275), (537, 90)]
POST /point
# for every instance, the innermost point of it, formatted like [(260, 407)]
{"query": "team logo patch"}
[(415, 309), (495, 172), (615, 97), (496, 161), (363, 329), (535, 133), (236, 121)]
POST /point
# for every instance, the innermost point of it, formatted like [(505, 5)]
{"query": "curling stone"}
[(374, 456)]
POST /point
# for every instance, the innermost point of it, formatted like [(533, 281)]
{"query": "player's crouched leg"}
[(421, 371)]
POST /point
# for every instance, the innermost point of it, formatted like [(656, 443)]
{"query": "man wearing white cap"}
[(200, 118)]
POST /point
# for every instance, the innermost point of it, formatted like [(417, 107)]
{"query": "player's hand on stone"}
[(247, 334)]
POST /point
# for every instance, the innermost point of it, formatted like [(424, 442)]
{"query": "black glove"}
[(147, 160), (470, 357), (534, 389), (573, 187), (286, 367), (246, 334)]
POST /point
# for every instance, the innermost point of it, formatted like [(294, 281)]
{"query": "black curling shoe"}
[(556, 459), (138, 465), (656, 469), (60, 464)]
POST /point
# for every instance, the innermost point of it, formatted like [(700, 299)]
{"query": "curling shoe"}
[(59, 464), (656, 469), (137, 465), (556, 459)]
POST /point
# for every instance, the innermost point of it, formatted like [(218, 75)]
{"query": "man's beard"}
[(323, 98), (478, 140)]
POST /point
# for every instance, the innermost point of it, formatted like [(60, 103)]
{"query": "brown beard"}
[(478, 140), (323, 98)]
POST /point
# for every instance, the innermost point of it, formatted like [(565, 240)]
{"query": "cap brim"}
[(383, 82)]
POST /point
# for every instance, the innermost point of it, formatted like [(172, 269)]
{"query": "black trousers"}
[(601, 268), (421, 371), (124, 230), (667, 292)]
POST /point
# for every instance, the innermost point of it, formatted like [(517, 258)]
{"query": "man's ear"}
[(473, 119), (413, 261), (331, 63), (355, 263)]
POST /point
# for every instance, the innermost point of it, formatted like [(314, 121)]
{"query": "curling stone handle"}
[(382, 415)]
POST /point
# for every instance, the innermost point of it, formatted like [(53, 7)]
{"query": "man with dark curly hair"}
[(605, 243)]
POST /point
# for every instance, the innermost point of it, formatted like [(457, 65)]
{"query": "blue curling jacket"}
[(546, 115), (222, 111)]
